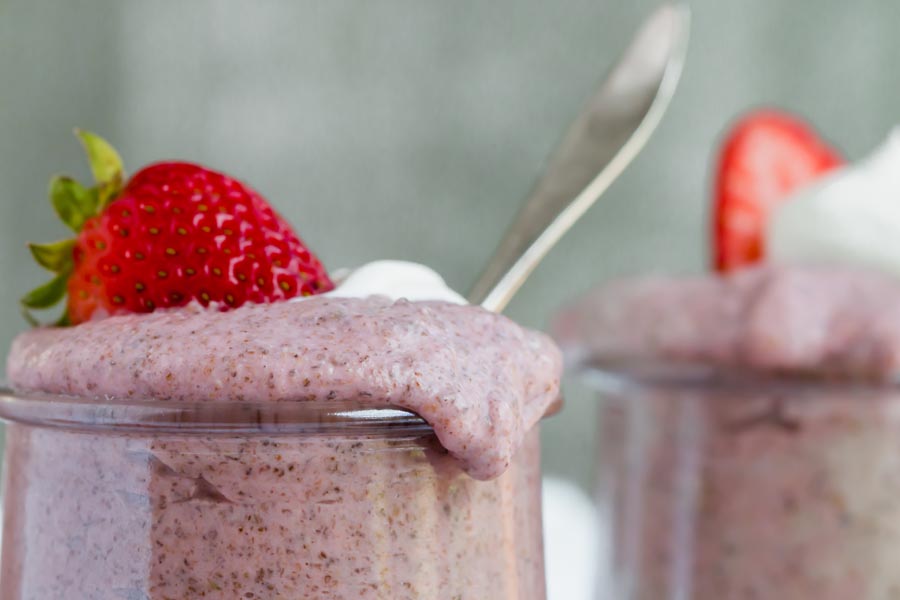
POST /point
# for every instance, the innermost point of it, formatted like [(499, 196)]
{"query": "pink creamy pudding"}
[(449, 514), (478, 378), (836, 322), (778, 478)]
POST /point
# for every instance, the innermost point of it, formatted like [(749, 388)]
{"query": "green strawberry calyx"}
[(75, 204)]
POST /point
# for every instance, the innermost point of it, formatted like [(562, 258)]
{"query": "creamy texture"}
[(829, 321), (478, 378), (394, 279), (753, 492), (849, 217), (385, 511), (381, 515), (746, 484), (747, 487)]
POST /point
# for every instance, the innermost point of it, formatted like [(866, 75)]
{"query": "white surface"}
[(851, 216), (571, 541)]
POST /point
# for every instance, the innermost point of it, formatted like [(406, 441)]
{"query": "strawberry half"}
[(174, 233), (767, 155)]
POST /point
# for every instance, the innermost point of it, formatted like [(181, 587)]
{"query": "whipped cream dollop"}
[(394, 279), (850, 216)]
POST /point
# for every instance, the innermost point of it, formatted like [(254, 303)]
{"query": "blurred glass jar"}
[(157, 500), (741, 486)]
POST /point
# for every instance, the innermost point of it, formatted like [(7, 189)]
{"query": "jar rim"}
[(344, 416), (617, 374)]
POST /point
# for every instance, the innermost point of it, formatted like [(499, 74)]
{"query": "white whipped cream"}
[(395, 279), (850, 216)]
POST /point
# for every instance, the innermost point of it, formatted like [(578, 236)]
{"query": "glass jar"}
[(745, 486), (159, 500)]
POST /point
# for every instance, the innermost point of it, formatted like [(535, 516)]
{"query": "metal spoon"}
[(610, 131)]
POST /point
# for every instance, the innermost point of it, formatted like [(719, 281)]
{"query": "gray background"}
[(413, 129)]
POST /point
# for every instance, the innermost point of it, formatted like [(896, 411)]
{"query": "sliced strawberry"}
[(174, 233), (767, 155)]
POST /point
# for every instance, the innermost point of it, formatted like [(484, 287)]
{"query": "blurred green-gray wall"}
[(413, 129)]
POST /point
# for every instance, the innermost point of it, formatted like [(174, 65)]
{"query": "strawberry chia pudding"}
[(749, 432), (346, 445)]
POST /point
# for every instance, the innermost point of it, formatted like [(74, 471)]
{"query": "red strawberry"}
[(174, 233), (767, 155)]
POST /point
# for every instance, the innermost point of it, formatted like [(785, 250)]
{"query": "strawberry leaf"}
[(106, 165), (55, 256), (48, 294), (74, 203), (30, 318), (63, 320)]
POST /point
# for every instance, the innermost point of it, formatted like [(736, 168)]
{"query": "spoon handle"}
[(610, 131)]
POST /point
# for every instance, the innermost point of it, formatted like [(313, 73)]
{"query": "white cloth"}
[(574, 542)]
